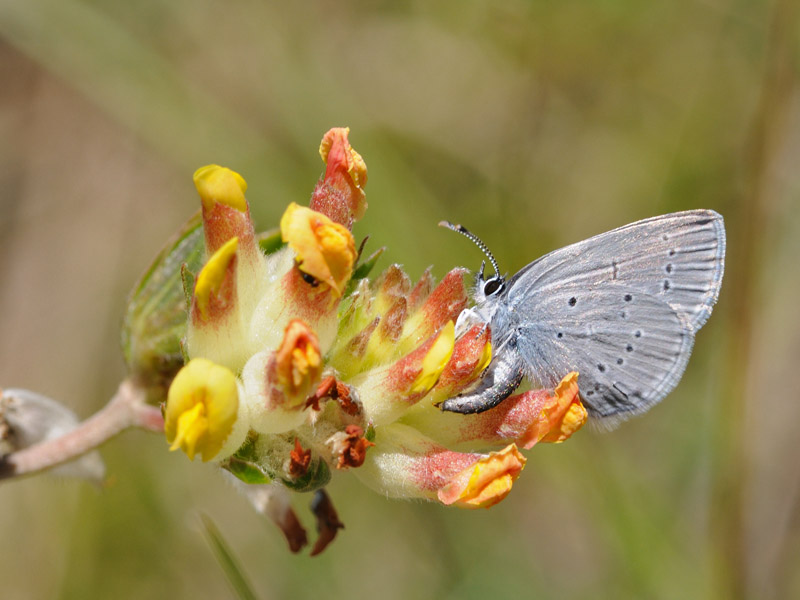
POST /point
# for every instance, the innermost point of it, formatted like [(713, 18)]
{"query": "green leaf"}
[(229, 563), (246, 471), (363, 269), (155, 320), (187, 279)]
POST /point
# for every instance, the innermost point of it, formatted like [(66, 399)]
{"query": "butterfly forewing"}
[(678, 258)]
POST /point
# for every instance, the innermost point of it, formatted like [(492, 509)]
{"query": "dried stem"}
[(127, 408)]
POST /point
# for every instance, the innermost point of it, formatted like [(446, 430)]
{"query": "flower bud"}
[(340, 194), (226, 215), (485, 483), (216, 329), (444, 304)]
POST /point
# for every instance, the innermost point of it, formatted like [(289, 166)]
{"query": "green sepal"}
[(317, 476), (363, 270), (271, 241), (246, 471), (184, 351), (244, 463), (155, 320), (247, 451)]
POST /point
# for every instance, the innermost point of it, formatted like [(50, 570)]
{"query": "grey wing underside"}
[(629, 353), (679, 258), (621, 308)]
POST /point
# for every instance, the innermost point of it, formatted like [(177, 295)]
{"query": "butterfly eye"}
[(493, 286)]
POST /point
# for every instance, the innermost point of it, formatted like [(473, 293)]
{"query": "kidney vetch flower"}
[(297, 368)]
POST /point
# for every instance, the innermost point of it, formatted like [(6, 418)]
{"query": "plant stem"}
[(127, 408)]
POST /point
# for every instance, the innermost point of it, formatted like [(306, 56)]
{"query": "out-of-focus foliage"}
[(535, 124)]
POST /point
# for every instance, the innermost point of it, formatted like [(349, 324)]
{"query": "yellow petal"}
[(435, 360), (354, 164), (298, 361), (201, 410), (565, 414), (212, 275), (487, 482), (219, 184), (325, 250)]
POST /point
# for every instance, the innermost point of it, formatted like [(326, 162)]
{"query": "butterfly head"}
[(486, 288)]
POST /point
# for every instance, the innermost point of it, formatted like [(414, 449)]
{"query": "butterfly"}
[(621, 308)]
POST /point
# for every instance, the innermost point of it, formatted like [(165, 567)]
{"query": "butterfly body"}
[(621, 308)]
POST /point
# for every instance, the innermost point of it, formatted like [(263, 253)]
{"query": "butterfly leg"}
[(499, 381)]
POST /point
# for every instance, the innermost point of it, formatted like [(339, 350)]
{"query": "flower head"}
[(299, 368)]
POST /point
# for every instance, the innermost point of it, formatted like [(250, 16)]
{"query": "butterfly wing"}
[(629, 353), (621, 308), (679, 258)]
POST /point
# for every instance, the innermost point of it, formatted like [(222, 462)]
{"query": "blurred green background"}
[(536, 124)]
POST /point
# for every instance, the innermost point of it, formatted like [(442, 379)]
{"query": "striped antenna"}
[(475, 240)]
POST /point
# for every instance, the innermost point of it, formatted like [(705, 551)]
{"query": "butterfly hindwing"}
[(629, 348)]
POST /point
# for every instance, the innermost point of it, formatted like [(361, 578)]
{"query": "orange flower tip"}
[(487, 482), (325, 250), (219, 184), (336, 151), (213, 274), (201, 409), (573, 413), (435, 360), (298, 360)]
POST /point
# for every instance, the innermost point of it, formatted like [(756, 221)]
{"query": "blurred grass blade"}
[(228, 562)]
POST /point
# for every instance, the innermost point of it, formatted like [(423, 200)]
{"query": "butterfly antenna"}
[(475, 240)]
